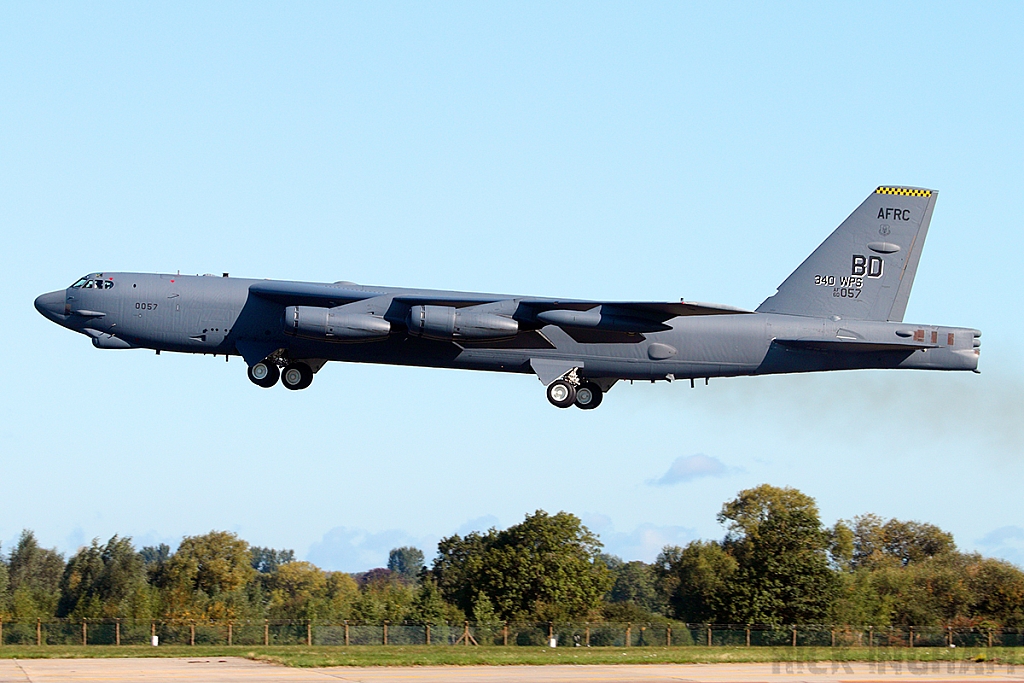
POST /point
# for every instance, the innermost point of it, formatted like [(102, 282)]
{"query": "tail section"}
[(865, 269)]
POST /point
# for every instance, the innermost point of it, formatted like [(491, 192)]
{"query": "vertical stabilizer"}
[(865, 269)]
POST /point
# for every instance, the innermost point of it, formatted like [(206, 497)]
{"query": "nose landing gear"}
[(295, 375)]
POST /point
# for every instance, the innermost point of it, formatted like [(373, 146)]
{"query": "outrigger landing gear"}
[(264, 374), (571, 389)]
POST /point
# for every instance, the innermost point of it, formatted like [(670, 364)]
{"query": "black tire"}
[(561, 394), (264, 374), (588, 396), (297, 376)]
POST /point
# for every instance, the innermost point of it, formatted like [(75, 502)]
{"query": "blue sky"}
[(593, 150)]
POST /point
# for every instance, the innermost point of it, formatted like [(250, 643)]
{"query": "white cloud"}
[(357, 550), (689, 467), (1005, 542), (642, 543)]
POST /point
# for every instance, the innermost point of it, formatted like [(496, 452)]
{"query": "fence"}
[(270, 632)]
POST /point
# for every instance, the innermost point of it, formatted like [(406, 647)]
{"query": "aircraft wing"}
[(322, 294), (309, 293)]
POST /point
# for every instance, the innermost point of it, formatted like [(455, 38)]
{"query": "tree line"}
[(776, 564)]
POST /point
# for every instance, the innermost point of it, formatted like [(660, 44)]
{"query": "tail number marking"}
[(867, 266)]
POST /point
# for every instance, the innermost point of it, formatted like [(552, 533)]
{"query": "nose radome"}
[(51, 305)]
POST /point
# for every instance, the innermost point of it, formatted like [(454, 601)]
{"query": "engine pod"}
[(449, 323), (333, 324)]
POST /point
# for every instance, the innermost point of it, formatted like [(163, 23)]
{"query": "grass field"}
[(421, 655)]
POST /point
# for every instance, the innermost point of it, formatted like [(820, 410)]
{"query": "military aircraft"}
[(842, 309)]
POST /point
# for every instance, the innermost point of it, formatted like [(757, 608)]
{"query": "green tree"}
[(267, 560), (700, 579), (876, 542), (406, 561), (545, 568), (298, 590), (34, 575), (207, 577), (383, 596), (635, 583), (428, 607), (5, 584), (341, 594), (997, 591), (105, 581), (486, 620), (781, 550)]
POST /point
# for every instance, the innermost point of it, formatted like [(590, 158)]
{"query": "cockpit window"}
[(92, 283)]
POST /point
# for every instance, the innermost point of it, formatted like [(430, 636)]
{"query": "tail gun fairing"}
[(841, 309)]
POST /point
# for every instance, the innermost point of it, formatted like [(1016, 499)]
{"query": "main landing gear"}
[(571, 390), (295, 375)]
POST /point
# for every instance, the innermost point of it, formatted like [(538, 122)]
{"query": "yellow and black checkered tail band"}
[(904, 191)]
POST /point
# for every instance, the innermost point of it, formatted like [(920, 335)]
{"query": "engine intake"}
[(447, 323), (333, 324)]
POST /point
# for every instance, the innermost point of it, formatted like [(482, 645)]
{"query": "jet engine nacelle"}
[(448, 322), (333, 324)]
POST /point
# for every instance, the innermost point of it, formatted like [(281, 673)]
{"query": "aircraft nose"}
[(51, 305)]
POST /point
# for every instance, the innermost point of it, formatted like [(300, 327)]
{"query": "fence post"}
[(346, 632), (39, 631), (85, 635), (629, 629), (385, 631), (668, 636), (428, 633), (309, 632), (794, 636), (748, 635), (117, 632), (229, 633), (504, 633), (192, 633), (990, 637), (871, 636), (266, 632), (709, 635)]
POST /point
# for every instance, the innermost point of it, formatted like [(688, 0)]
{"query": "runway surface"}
[(237, 670)]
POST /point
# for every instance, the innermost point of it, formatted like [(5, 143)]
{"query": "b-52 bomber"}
[(842, 309)]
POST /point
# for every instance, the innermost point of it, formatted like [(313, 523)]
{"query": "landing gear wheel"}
[(588, 396), (297, 376), (561, 393), (264, 374)]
